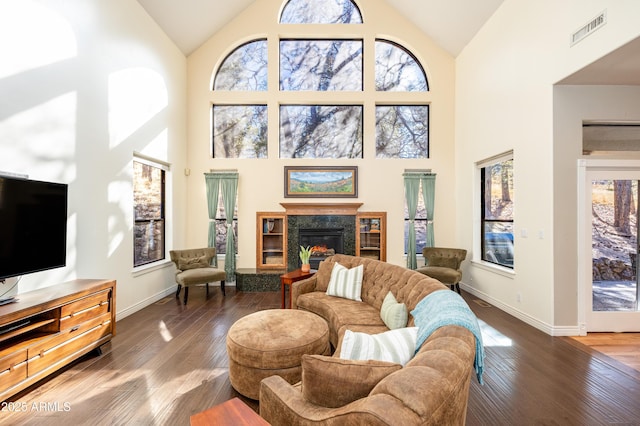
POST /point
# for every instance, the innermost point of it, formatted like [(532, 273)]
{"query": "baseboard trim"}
[(144, 303), (522, 316)]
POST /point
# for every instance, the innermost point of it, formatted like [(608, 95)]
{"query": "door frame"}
[(585, 261)]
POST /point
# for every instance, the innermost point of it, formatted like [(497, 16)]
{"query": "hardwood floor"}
[(169, 361), (623, 347)]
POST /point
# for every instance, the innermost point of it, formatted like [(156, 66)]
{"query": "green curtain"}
[(411, 188), (213, 188), (429, 195), (229, 192)]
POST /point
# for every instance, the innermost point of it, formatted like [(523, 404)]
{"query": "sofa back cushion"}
[(334, 382), (379, 278)]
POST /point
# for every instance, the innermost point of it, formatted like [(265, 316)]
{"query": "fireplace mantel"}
[(314, 209)]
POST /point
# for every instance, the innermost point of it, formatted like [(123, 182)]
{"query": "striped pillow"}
[(346, 283), (393, 314), (397, 345)]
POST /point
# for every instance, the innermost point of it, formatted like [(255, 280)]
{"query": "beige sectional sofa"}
[(431, 389)]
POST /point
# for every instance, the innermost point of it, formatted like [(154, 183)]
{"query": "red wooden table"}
[(290, 278)]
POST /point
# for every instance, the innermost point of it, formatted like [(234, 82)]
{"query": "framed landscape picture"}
[(321, 181)]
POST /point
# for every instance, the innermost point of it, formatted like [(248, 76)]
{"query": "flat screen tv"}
[(33, 226)]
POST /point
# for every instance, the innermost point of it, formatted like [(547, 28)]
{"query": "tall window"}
[(420, 224), (496, 188), (328, 121), (221, 226), (149, 211)]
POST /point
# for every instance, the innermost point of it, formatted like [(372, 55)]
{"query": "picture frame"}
[(321, 181)]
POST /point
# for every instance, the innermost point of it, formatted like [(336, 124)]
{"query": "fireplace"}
[(336, 232), (324, 242)]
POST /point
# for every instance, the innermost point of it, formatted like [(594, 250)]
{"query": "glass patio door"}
[(611, 290)]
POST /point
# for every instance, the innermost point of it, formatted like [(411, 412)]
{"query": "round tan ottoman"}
[(272, 342)]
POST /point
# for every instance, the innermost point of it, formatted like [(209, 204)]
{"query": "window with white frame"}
[(149, 206), (317, 127), (496, 210)]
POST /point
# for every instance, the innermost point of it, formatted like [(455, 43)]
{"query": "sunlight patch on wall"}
[(120, 194), (33, 36), (136, 95), (158, 147), (42, 139)]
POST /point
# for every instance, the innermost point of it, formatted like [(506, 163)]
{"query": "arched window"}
[(320, 98), (397, 70), (320, 12), (244, 69)]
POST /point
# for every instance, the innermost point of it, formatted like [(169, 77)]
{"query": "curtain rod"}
[(419, 171)]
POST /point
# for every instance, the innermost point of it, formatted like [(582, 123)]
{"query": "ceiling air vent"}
[(595, 24)]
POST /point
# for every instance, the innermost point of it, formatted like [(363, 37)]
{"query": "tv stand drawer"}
[(74, 308)]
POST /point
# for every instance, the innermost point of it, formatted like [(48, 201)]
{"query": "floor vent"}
[(482, 303), (595, 24)]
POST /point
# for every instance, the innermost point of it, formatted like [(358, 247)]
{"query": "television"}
[(33, 226)]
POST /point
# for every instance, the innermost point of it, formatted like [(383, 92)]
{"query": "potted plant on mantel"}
[(305, 254)]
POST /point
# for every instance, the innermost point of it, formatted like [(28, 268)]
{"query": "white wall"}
[(85, 84), (261, 181), (504, 101)]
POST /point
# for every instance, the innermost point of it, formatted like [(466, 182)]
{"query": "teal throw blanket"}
[(446, 307)]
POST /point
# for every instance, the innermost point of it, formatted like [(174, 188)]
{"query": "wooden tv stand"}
[(46, 329)]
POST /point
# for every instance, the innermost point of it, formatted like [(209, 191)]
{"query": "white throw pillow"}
[(397, 345), (393, 314), (346, 283)]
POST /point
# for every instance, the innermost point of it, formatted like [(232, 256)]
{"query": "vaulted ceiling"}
[(450, 23)]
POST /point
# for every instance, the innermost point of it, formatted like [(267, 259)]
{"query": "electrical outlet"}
[(519, 297)]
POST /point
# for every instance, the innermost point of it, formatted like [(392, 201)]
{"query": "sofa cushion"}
[(334, 382), (396, 346), (346, 283), (185, 263), (339, 312), (394, 314)]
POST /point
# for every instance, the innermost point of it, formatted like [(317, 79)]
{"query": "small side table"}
[(230, 413), (290, 278)]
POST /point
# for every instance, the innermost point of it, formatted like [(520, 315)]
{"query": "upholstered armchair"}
[(193, 267), (443, 264)]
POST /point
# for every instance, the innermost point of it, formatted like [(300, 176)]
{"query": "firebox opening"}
[(324, 242)]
